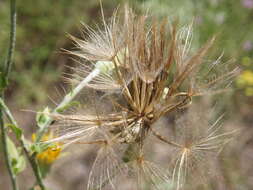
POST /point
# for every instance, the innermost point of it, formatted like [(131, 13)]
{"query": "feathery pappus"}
[(146, 70)]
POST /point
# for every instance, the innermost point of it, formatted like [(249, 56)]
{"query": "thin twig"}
[(7, 112), (8, 64), (36, 169), (9, 60), (31, 158), (6, 154)]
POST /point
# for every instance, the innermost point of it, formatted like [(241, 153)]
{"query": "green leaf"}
[(18, 162), (43, 117), (12, 150), (21, 164), (39, 147), (16, 130)]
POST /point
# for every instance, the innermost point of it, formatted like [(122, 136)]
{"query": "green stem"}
[(35, 167), (8, 62), (6, 154), (36, 170), (8, 65), (31, 158), (7, 112)]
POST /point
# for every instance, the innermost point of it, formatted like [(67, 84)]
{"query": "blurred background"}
[(42, 28)]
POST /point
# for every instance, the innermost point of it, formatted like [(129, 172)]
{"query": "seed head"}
[(150, 71)]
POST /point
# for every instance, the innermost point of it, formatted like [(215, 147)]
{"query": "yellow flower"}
[(51, 153), (245, 79)]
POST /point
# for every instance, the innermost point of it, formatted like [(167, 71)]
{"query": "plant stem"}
[(7, 112), (67, 99), (70, 96), (36, 169), (31, 158), (8, 64), (13, 20), (6, 155), (34, 165)]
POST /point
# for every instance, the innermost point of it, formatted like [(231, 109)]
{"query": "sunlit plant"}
[(138, 70)]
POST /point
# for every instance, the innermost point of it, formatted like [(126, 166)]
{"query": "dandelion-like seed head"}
[(148, 69)]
